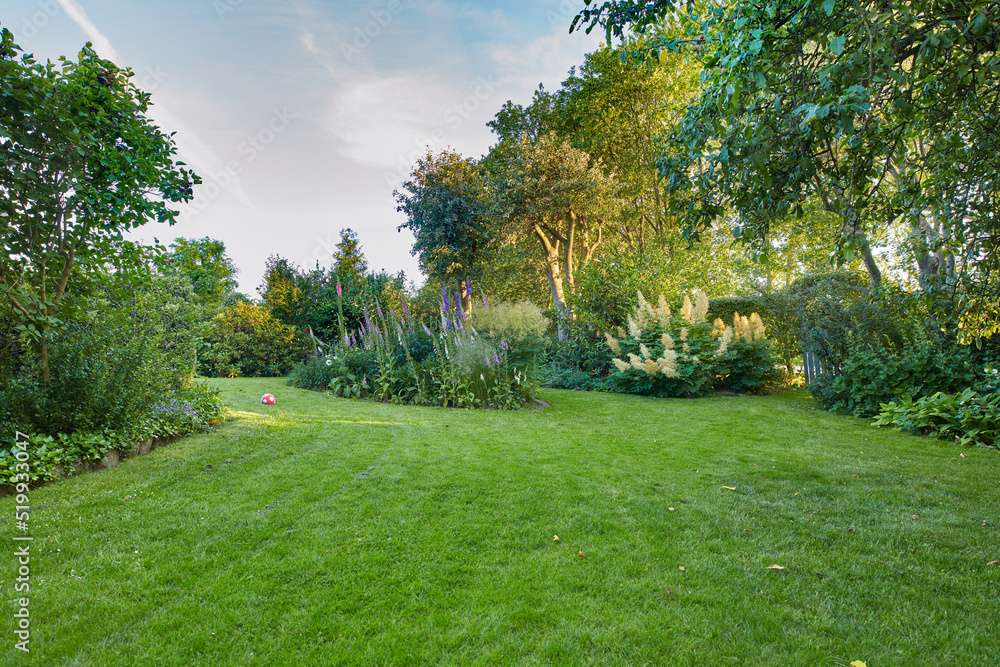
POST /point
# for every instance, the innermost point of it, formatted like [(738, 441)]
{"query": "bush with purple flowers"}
[(399, 358)]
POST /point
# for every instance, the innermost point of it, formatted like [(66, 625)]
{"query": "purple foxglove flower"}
[(378, 308), (468, 289), (340, 291), (347, 340), (458, 304), (503, 344), (428, 331), (488, 364), (496, 359), (485, 305), (406, 312)]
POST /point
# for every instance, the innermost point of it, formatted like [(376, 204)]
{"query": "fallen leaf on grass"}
[(580, 554), (915, 516), (775, 567), (555, 538), (731, 488), (681, 568), (994, 562), (671, 509), (858, 663)]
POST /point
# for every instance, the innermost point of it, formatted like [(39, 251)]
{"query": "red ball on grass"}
[(267, 399)]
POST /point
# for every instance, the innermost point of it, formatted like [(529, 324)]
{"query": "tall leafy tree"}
[(879, 110), (552, 192), (205, 263), (444, 202), (80, 164)]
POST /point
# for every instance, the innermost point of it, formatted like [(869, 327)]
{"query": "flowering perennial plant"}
[(401, 359), (684, 355)]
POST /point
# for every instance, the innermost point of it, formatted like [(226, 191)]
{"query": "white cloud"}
[(190, 149), (546, 59)]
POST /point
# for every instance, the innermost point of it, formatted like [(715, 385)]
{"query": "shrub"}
[(780, 316), (969, 417), (187, 410), (748, 363), (519, 328), (106, 371), (683, 355), (247, 341), (314, 373), (872, 374)]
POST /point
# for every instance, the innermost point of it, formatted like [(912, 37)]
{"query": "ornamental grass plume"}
[(727, 337), (719, 327), (612, 343), (668, 366), (650, 367), (644, 312), (756, 326), (634, 329), (686, 308), (667, 341), (700, 310), (635, 361), (663, 311)]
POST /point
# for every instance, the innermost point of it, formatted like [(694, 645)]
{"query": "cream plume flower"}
[(612, 343)]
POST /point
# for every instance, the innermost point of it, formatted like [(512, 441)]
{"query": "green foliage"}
[(247, 341), (310, 299), (315, 373), (186, 410), (401, 360), (444, 202), (105, 372), (516, 328), (885, 110), (81, 164), (969, 417), (748, 366), (873, 374), (205, 264), (778, 311)]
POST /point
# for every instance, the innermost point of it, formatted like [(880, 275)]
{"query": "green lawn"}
[(325, 531)]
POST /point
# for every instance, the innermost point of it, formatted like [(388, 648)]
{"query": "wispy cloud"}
[(190, 148)]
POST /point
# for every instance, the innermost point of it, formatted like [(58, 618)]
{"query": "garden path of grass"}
[(324, 531)]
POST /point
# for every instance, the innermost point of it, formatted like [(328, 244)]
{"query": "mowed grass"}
[(324, 531)]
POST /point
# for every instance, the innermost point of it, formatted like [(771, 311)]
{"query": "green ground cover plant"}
[(329, 531)]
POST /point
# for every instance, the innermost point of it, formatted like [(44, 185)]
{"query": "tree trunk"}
[(569, 246), (552, 260)]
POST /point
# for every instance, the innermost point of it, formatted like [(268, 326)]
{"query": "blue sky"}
[(302, 116)]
